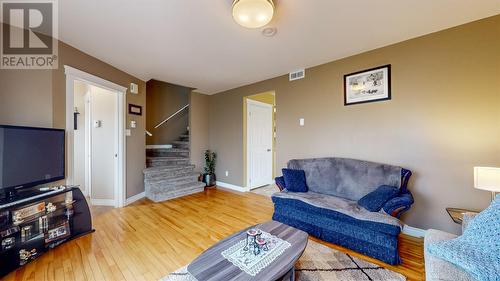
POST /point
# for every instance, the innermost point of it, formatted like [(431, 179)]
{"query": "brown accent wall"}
[(164, 99), (38, 98), (443, 119), (198, 124)]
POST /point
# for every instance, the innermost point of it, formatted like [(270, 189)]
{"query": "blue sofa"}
[(329, 209)]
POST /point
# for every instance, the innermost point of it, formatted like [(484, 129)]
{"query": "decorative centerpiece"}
[(254, 242), (256, 251)]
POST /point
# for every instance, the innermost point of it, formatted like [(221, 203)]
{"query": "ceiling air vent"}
[(296, 75)]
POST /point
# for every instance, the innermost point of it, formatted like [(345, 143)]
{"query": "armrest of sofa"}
[(437, 269), (280, 182), (398, 205)]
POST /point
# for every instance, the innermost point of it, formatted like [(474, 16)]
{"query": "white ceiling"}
[(196, 43)]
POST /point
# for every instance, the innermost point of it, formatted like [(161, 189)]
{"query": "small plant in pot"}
[(209, 175)]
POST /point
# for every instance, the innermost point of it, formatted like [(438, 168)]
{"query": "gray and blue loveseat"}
[(329, 209)]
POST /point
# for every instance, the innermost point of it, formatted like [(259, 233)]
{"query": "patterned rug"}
[(267, 190), (320, 263)]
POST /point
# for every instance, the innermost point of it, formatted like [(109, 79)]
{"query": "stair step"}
[(173, 179), (169, 152), (181, 144), (158, 171), (166, 161), (178, 191), (184, 137), (158, 146)]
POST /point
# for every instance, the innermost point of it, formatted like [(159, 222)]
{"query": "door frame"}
[(72, 75), (248, 152)]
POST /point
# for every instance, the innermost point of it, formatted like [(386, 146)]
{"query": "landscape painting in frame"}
[(368, 85)]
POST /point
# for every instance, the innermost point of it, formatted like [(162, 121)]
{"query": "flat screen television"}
[(29, 157)]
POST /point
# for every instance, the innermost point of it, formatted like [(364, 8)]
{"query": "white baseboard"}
[(231, 186), (413, 231), (134, 198), (102, 202)]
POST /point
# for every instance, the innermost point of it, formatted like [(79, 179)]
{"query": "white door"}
[(103, 148), (259, 143)]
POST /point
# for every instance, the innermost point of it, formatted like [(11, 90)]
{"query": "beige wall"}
[(443, 119), (26, 97), (164, 99), (198, 124), (37, 98)]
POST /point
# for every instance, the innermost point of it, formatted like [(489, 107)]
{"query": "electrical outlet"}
[(227, 173)]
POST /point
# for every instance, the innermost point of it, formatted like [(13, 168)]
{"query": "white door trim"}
[(72, 75), (254, 102)]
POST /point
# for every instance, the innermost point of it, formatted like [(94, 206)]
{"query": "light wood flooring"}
[(146, 240)]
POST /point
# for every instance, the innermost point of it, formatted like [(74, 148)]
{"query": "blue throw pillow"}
[(477, 251), (375, 200), (295, 180)]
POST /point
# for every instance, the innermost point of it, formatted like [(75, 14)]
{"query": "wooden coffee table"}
[(211, 265)]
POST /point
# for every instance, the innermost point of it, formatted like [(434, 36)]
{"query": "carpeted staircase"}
[(169, 174)]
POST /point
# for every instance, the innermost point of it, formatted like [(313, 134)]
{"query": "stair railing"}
[(171, 116)]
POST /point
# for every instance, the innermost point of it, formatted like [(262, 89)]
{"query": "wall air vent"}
[(296, 75)]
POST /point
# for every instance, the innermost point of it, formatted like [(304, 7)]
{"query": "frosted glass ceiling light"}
[(253, 13)]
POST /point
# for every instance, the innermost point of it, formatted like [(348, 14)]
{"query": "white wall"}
[(79, 136)]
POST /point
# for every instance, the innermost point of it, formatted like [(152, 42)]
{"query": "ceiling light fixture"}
[(253, 13)]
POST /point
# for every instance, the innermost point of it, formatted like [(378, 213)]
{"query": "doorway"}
[(260, 139), (95, 114)]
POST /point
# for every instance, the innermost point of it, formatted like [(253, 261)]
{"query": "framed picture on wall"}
[(368, 85), (135, 109)]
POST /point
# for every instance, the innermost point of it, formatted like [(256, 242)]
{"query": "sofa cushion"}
[(344, 206), (280, 182), (372, 239), (346, 178), (375, 200), (295, 180)]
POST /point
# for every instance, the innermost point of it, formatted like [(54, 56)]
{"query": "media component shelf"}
[(35, 224)]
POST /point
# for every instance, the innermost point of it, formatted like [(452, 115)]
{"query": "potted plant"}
[(209, 175)]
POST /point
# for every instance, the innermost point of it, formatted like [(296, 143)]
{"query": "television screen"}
[(30, 156)]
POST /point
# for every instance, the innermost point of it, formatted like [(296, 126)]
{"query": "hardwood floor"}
[(146, 240)]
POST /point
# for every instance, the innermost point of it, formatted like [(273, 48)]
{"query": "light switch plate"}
[(128, 133), (301, 121), (227, 173), (134, 88), (97, 123), (133, 124)]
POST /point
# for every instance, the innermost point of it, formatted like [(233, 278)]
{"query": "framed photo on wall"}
[(135, 109), (368, 85)]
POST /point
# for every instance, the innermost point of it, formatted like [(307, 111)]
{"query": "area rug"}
[(319, 263), (267, 190)]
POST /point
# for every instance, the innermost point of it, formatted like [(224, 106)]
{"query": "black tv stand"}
[(37, 221), (15, 195)]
